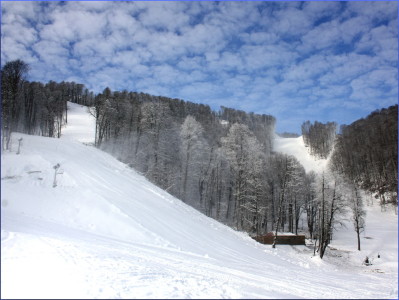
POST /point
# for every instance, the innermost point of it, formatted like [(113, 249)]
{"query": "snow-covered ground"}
[(106, 232)]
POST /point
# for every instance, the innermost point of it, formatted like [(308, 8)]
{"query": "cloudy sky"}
[(325, 61)]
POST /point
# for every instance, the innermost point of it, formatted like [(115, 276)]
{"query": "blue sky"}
[(325, 61)]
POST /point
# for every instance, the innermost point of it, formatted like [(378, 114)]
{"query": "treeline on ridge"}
[(366, 152)]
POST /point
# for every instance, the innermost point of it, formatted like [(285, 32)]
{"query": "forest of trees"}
[(221, 163), (288, 135), (366, 152), (319, 137), (217, 162)]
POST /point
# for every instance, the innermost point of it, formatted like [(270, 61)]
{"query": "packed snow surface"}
[(104, 231)]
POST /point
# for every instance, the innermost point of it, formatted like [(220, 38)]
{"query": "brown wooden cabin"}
[(281, 239)]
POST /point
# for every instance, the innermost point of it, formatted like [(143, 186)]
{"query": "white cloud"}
[(344, 68), (72, 25), (160, 15), (311, 67), (191, 63), (291, 21), (321, 37), (351, 28), (21, 34), (260, 37), (267, 56), (376, 86), (380, 40), (120, 19), (92, 6), (374, 10), (318, 10), (50, 50), (19, 51), (21, 12), (204, 37)]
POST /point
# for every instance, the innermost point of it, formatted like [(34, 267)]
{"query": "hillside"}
[(106, 232)]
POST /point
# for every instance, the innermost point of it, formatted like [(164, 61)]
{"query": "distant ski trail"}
[(297, 148)]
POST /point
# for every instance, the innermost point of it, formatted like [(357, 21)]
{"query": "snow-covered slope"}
[(106, 232), (296, 147)]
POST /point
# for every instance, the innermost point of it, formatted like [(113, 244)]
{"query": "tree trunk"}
[(186, 173)]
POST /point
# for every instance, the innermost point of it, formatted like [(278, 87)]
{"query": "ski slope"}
[(106, 232), (296, 147)]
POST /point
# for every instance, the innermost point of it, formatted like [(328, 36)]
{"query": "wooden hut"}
[(282, 239)]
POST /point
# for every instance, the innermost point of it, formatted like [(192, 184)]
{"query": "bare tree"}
[(242, 151), (12, 77), (358, 213), (331, 203)]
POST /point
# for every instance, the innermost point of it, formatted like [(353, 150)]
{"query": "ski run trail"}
[(106, 232)]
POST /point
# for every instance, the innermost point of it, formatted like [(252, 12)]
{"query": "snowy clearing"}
[(106, 232)]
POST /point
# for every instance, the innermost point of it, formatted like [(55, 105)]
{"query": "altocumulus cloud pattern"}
[(294, 60)]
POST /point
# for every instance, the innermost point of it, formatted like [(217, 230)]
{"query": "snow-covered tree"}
[(156, 123), (243, 153), (290, 177), (193, 152)]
